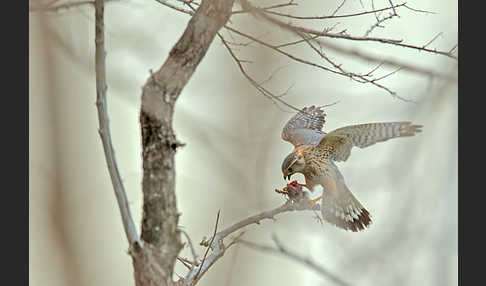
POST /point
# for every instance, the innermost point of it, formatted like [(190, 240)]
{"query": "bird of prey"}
[(314, 155)]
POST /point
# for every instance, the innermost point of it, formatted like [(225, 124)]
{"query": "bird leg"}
[(314, 201)]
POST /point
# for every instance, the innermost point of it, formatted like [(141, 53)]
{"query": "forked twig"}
[(216, 243), (207, 250)]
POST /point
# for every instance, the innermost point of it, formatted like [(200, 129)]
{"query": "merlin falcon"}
[(314, 155)]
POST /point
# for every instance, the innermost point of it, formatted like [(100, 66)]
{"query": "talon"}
[(292, 190), (283, 191), (314, 201)]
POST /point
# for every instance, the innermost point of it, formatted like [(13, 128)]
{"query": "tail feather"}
[(340, 208)]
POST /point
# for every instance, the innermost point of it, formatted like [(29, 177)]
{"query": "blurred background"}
[(233, 154)]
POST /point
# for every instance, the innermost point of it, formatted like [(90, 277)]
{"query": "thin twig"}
[(207, 250), (188, 261), (417, 10), (387, 75), (453, 49), (260, 88), (273, 98), (290, 3), (433, 39), (370, 73), (185, 263), (193, 252), (104, 127), (333, 16), (339, 7), (165, 3), (378, 24), (391, 5), (294, 42), (282, 250), (330, 104)]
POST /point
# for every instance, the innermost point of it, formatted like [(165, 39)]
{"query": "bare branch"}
[(388, 62), (340, 71), (373, 70), (296, 29), (261, 89), (290, 3), (282, 250), (216, 241), (392, 6), (453, 49), (294, 42), (387, 75), (207, 249), (104, 129), (354, 76), (193, 252), (186, 263), (339, 7), (378, 23), (333, 16), (433, 39), (288, 206), (417, 10), (330, 104), (311, 35), (166, 3)]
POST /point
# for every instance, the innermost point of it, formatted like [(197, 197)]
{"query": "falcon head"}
[(293, 163)]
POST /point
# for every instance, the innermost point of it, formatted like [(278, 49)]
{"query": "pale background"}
[(233, 154)]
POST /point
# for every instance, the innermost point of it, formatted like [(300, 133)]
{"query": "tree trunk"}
[(154, 263)]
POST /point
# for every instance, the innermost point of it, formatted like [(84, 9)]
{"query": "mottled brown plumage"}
[(316, 151)]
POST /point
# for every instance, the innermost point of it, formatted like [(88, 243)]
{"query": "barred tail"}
[(340, 208)]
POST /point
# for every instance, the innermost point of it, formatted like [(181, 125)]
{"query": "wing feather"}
[(305, 128), (337, 144)]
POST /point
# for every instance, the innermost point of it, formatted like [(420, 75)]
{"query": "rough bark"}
[(154, 262)]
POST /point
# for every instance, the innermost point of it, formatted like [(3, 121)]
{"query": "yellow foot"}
[(314, 201)]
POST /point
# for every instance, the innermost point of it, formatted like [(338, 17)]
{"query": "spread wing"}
[(305, 128), (337, 144)]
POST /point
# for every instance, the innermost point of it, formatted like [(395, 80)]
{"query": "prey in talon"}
[(293, 190)]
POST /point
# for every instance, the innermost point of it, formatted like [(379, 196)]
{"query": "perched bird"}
[(316, 151)]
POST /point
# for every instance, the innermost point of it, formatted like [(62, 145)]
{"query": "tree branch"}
[(216, 241), (296, 29), (282, 250), (104, 127), (289, 206)]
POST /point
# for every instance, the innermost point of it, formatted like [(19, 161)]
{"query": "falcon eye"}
[(290, 169)]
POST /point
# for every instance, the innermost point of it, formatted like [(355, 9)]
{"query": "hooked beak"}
[(288, 177)]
